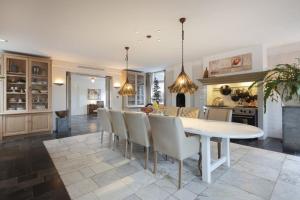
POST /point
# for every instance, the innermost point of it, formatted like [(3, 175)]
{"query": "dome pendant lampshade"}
[(127, 88), (183, 83)]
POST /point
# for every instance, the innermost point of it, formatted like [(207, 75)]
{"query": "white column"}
[(226, 150), (206, 159)]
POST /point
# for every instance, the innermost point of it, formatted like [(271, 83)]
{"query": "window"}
[(160, 76)]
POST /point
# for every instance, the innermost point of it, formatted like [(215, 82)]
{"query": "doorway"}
[(85, 94)]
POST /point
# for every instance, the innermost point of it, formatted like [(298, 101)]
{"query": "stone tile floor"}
[(27, 171), (92, 171)]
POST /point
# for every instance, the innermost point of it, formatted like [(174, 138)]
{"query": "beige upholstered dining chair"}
[(139, 131), (189, 112), (105, 123), (218, 114), (119, 128), (171, 110), (169, 138)]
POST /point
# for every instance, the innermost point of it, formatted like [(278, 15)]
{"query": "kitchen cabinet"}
[(138, 81), (40, 122), (15, 124)]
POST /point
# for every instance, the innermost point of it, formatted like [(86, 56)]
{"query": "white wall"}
[(79, 93), (59, 70), (279, 55)]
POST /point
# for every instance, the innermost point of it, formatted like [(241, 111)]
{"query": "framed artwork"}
[(231, 64), (94, 94)]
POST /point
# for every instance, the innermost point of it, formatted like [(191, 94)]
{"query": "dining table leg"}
[(225, 145), (206, 158)]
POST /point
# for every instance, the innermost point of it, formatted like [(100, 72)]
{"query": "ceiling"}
[(94, 32)]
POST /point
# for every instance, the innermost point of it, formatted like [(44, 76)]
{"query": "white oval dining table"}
[(225, 130)]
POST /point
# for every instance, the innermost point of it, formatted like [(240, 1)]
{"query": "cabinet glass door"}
[(1, 65), (131, 79), (16, 84), (39, 85), (140, 89)]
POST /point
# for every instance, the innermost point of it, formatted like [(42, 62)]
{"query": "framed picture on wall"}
[(94, 94), (231, 64)]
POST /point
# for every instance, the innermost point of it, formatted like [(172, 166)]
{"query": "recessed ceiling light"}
[(137, 32), (158, 31), (3, 40), (158, 40)]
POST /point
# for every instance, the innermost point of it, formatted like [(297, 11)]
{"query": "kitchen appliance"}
[(245, 115)]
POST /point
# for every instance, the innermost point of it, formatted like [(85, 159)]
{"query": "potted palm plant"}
[(282, 82)]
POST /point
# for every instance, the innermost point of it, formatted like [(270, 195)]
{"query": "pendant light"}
[(183, 83), (127, 88)]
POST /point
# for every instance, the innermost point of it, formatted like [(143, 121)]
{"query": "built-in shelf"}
[(237, 78)]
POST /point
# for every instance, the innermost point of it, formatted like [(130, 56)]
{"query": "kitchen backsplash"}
[(237, 94)]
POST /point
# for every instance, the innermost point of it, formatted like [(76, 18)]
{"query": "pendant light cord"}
[(182, 38), (126, 59)]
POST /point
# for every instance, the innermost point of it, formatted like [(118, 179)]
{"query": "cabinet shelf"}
[(16, 93), (17, 75)]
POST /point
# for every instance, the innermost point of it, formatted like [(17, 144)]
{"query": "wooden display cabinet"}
[(26, 94), (138, 80)]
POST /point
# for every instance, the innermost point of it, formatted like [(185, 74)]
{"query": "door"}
[(15, 124), (39, 84), (1, 127), (16, 84), (1, 65), (40, 122), (1, 95)]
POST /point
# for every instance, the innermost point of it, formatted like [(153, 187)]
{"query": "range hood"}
[(237, 78)]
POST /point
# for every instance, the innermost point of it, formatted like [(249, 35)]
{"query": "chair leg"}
[(114, 142), (146, 157), (219, 149), (131, 147), (102, 132), (126, 147), (110, 139), (180, 162), (155, 162)]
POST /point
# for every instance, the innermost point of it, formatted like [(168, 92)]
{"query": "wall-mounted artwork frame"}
[(230, 65), (94, 94)]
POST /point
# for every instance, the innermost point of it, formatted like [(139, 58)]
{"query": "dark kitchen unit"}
[(245, 115)]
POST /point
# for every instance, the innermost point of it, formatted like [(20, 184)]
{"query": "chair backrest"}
[(171, 111), (219, 114), (118, 124), (138, 128), (167, 134), (105, 123), (190, 112)]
